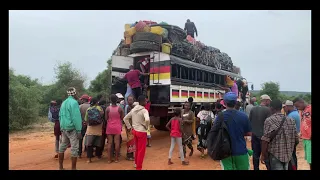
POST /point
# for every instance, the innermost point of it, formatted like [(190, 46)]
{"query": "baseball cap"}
[(85, 96), (230, 96), (265, 97), (288, 103)]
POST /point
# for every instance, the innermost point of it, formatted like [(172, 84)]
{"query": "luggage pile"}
[(150, 36)]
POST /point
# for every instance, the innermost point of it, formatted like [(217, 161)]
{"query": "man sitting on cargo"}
[(190, 28), (133, 80)]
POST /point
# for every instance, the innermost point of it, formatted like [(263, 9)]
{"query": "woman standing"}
[(205, 118), (187, 121), (114, 116), (130, 138)]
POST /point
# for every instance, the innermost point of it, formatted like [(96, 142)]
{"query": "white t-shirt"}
[(203, 114)]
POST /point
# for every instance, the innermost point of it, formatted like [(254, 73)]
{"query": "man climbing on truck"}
[(133, 80)]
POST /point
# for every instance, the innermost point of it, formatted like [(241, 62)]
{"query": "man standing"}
[(238, 126), (293, 114), (301, 105), (279, 138), (250, 106), (190, 27), (140, 123), (257, 116), (133, 80), (83, 109), (70, 125)]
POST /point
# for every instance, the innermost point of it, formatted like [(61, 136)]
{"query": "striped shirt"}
[(283, 143)]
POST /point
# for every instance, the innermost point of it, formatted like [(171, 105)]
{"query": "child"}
[(174, 126)]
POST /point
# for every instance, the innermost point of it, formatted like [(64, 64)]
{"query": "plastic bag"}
[(165, 33), (146, 29), (140, 26), (191, 39), (163, 23), (157, 30), (127, 27)]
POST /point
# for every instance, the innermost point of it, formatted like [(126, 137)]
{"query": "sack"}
[(157, 30), (94, 117), (130, 32), (219, 140), (140, 26)]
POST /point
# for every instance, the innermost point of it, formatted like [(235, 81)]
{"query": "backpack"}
[(94, 117), (54, 110), (219, 140)]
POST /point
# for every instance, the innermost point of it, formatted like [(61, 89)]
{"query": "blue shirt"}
[(296, 117), (238, 127)]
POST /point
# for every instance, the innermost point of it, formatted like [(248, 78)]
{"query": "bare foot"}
[(170, 162)]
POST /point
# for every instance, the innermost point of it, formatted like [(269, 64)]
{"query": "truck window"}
[(184, 72)]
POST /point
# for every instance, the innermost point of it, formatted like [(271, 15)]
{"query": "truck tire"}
[(147, 36), (142, 46), (162, 126)]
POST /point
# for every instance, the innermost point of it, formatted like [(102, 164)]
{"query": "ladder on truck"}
[(152, 59)]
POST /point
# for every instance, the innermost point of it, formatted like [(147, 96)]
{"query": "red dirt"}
[(35, 151)]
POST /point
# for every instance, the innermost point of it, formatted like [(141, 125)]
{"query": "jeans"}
[(256, 147), (275, 164), (177, 140)]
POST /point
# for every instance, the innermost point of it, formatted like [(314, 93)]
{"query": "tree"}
[(66, 76), (24, 97), (271, 89), (102, 83)]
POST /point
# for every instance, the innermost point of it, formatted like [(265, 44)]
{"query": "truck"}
[(172, 79)]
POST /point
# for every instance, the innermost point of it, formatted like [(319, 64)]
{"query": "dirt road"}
[(35, 151)]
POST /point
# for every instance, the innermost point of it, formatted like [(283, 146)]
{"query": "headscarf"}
[(72, 91)]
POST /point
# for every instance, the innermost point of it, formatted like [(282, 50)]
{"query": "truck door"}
[(119, 67)]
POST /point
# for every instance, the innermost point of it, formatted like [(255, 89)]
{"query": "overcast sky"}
[(266, 45)]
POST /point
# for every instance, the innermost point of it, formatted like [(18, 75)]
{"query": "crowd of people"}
[(273, 127)]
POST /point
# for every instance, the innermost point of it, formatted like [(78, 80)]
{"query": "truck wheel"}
[(147, 36), (142, 46), (163, 123)]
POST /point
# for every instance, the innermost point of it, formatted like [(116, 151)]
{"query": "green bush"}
[(24, 97)]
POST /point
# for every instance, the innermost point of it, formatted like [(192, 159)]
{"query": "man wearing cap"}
[(257, 116), (238, 126), (71, 126), (83, 109), (293, 113), (305, 129)]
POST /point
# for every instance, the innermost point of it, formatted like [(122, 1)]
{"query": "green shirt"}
[(70, 116)]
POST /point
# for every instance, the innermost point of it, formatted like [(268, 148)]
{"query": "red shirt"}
[(147, 106), (175, 128), (306, 123), (133, 78)]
